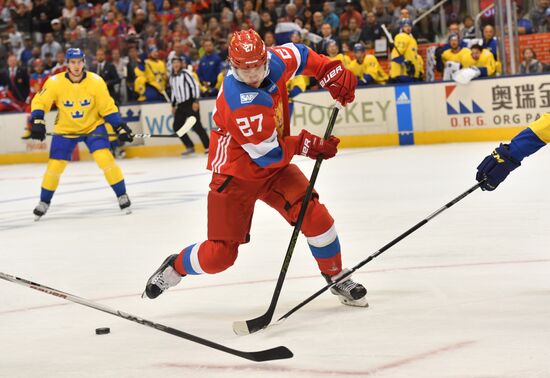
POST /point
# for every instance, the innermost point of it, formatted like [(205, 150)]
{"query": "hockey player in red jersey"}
[(250, 156)]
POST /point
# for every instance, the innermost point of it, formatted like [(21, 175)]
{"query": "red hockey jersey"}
[(254, 123)]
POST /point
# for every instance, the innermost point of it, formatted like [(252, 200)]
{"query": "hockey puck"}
[(102, 331)]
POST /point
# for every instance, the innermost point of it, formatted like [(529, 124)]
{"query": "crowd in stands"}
[(131, 43)]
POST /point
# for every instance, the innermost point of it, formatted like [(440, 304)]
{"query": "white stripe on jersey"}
[(221, 153), (194, 259), (258, 150), (324, 239), (297, 55)]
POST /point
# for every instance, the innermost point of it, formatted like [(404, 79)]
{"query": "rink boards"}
[(442, 112)]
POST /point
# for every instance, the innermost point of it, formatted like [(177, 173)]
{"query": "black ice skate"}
[(124, 203), (349, 292), (40, 210), (164, 278)]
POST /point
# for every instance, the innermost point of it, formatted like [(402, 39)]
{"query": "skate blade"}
[(354, 303), (127, 211), (37, 218)]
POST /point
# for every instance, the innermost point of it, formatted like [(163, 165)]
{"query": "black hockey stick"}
[(246, 327), (188, 125), (380, 251), (277, 353)]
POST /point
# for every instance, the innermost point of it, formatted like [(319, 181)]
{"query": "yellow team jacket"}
[(299, 81), (485, 60), (369, 66), (403, 45), (342, 58), (451, 56), (155, 74), (81, 106)]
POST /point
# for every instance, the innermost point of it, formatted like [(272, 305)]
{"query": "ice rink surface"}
[(467, 295)]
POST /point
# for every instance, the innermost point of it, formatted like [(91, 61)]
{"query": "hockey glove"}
[(496, 167), (339, 81), (312, 146), (38, 129), (124, 133)]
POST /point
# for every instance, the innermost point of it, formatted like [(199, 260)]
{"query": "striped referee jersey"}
[(184, 87)]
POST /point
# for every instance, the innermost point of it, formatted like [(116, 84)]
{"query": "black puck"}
[(102, 331)]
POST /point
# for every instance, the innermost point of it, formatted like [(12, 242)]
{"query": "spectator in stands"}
[(480, 58), (326, 34), (405, 15), (50, 45), (16, 79), (26, 53), (57, 30), (382, 15), (266, 24), (524, 23), (60, 65), (317, 25), (192, 21), (469, 29), (269, 39), (490, 43), (349, 13), (209, 67), (398, 15), (48, 62), (354, 32), (271, 7), (133, 64), (68, 12), (108, 72), (428, 24), (366, 67), (530, 63), (546, 26), (371, 31), (22, 18), (538, 15), (329, 17), (290, 13)]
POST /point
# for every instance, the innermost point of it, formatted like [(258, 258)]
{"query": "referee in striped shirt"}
[(185, 92)]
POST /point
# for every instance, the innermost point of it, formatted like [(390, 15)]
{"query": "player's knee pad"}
[(217, 256), (53, 172), (317, 219), (106, 162)]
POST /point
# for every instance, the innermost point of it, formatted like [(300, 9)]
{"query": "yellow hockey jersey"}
[(486, 60), (541, 127), (155, 74), (451, 56), (369, 66), (81, 106), (403, 45), (342, 58)]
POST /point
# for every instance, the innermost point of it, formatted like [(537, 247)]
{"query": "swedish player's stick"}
[(253, 325), (277, 353), (380, 251), (188, 125)]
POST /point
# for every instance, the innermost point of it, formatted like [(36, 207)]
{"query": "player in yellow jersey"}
[(333, 53), (84, 106), (151, 77), (366, 67), (404, 54), (453, 56), (480, 58), (507, 157)]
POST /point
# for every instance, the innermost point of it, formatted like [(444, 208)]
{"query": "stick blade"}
[(246, 327), (277, 353), (189, 123)]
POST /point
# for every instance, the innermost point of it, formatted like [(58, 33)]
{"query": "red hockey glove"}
[(339, 81), (312, 146)]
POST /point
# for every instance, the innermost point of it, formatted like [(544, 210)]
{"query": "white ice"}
[(467, 295)]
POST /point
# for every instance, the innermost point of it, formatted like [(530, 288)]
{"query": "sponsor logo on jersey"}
[(248, 97)]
